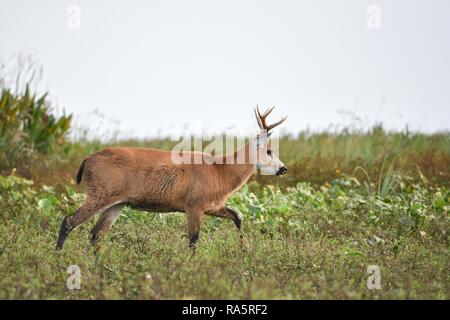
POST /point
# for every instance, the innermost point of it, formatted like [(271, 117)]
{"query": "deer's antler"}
[(261, 119)]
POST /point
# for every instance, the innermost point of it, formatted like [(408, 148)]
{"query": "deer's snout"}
[(281, 171)]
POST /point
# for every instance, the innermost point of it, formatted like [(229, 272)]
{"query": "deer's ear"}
[(262, 139)]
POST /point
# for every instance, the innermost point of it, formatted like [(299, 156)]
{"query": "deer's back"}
[(147, 179)]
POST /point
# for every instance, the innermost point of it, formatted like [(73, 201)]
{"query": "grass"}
[(352, 199), (314, 157), (301, 243)]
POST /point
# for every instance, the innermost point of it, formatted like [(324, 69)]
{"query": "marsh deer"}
[(148, 179)]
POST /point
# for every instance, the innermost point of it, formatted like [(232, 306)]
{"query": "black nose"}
[(281, 171)]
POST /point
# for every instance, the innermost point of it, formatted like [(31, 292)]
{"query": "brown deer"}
[(148, 179)]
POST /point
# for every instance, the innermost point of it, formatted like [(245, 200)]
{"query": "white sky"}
[(193, 65)]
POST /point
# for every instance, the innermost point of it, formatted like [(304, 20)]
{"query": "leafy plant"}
[(28, 127), (304, 242)]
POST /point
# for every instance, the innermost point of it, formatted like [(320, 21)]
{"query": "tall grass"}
[(29, 130)]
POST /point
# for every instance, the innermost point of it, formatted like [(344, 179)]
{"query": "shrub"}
[(28, 128)]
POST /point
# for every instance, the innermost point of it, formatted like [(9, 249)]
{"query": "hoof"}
[(94, 237), (63, 233)]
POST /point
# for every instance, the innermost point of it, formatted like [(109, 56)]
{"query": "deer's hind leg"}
[(81, 215), (106, 220), (230, 214)]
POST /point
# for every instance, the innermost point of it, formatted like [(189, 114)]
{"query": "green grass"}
[(351, 199), (313, 157), (302, 243)]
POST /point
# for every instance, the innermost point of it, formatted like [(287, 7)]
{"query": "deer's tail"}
[(80, 171)]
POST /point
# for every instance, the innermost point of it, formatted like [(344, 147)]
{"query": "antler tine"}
[(276, 123), (262, 117), (266, 113), (258, 119)]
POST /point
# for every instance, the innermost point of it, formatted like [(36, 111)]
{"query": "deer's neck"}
[(235, 169)]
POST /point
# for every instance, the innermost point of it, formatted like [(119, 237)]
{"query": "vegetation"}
[(28, 129), (303, 243), (351, 199)]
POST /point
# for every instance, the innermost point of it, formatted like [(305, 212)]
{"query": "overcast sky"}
[(164, 65)]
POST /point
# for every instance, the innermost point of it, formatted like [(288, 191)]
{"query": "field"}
[(351, 200)]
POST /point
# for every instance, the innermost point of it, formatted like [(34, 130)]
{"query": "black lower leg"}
[(192, 240), (63, 233), (236, 218), (94, 235), (238, 223)]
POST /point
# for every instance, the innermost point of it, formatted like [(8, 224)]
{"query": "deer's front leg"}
[(193, 224)]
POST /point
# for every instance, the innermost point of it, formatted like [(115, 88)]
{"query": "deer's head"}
[(266, 159)]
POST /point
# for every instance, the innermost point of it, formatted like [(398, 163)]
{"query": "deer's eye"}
[(269, 152)]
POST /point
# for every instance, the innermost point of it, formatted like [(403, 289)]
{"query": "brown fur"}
[(147, 179)]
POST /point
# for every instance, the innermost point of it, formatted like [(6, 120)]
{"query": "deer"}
[(149, 180)]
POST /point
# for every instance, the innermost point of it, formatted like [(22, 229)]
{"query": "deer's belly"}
[(153, 206)]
